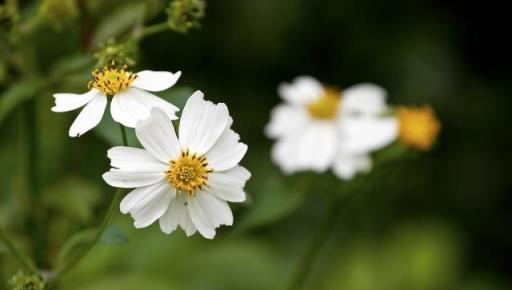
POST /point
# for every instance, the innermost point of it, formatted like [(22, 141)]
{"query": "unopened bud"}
[(27, 282), (185, 14)]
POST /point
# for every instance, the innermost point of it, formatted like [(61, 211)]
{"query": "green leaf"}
[(74, 197), (113, 236), (75, 245), (3, 248), (80, 241), (274, 200), (120, 21), (16, 94)]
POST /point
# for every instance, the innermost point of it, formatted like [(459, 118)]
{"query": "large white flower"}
[(185, 181), (318, 128), (131, 100)]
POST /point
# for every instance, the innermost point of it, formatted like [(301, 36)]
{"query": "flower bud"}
[(118, 53), (27, 282), (185, 14), (59, 12)]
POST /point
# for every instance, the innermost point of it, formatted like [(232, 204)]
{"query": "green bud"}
[(185, 14), (27, 282), (59, 12), (118, 53)]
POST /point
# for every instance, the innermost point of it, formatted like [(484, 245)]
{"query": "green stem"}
[(33, 221), (27, 266), (312, 251), (152, 29), (103, 226)]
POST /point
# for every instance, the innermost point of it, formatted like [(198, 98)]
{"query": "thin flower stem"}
[(27, 266), (34, 214), (310, 255), (103, 226), (152, 29)]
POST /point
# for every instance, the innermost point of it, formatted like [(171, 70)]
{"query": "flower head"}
[(318, 127), (418, 126), (131, 100), (22, 281), (185, 181)]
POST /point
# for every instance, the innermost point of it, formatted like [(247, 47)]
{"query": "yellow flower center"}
[(188, 172), (326, 107), (418, 126), (111, 80)]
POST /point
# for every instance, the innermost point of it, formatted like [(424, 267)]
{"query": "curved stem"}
[(27, 266), (150, 30), (103, 226), (310, 255)]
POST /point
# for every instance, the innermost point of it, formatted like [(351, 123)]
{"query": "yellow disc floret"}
[(325, 107), (418, 126), (188, 172), (111, 80)]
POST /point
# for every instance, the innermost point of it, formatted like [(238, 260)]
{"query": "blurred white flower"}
[(185, 181), (131, 100), (318, 128)]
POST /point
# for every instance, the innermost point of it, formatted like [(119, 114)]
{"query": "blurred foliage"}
[(416, 222)]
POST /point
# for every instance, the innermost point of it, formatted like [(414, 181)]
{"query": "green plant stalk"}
[(27, 266), (308, 259), (34, 227), (152, 29), (111, 210)]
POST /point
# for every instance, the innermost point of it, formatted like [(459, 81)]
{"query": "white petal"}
[(89, 117), (228, 185), (202, 122), (128, 179), (157, 135), (200, 219), (363, 134), (226, 152), (302, 90), (155, 81), (69, 102), (363, 99), (177, 214), (152, 206), (314, 148), (135, 159), (217, 211), (346, 166), (142, 195), (132, 105), (285, 119)]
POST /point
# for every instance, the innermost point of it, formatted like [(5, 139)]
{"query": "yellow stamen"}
[(418, 126), (326, 107), (188, 172), (111, 80)]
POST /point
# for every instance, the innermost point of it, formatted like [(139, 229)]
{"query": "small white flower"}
[(318, 128), (185, 181), (131, 100)]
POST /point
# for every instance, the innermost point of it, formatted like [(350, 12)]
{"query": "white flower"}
[(318, 128), (131, 100), (185, 181)]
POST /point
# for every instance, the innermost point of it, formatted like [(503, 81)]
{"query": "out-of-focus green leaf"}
[(76, 244), (72, 65), (113, 236), (3, 249), (128, 281), (16, 95), (73, 197), (121, 20), (273, 200)]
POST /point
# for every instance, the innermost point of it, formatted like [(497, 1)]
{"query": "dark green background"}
[(436, 220)]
